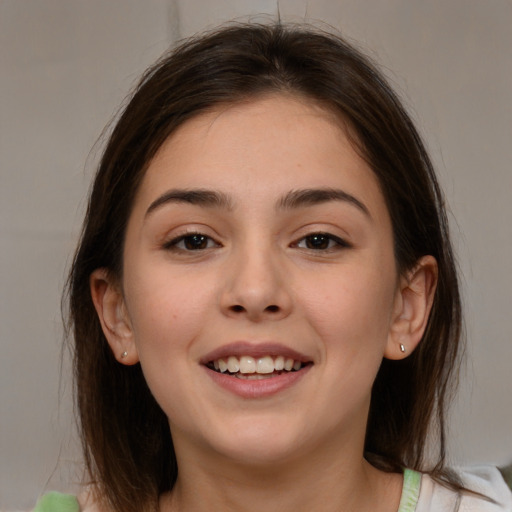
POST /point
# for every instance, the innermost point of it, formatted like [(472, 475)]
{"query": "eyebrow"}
[(313, 196), (292, 200), (199, 197)]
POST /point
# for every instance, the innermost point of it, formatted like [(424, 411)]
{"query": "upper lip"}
[(255, 350)]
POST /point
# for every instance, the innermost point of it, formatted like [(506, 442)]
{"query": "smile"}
[(256, 370), (247, 367)]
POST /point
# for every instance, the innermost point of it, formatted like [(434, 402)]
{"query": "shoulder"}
[(486, 492), (58, 502), (88, 502)]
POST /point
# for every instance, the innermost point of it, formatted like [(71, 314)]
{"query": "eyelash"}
[(188, 237), (333, 242), (204, 242)]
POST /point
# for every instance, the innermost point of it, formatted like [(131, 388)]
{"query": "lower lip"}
[(248, 388)]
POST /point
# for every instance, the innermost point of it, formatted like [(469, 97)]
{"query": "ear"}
[(115, 321), (413, 302)]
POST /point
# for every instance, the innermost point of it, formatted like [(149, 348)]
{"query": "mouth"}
[(256, 368)]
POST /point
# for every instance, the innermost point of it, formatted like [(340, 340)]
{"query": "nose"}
[(257, 287)]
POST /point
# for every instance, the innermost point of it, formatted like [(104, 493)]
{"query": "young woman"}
[(264, 301)]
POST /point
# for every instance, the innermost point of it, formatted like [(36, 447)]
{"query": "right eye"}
[(191, 242)]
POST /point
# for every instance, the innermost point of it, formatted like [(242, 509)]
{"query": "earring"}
[(402, 348), (124, 354)]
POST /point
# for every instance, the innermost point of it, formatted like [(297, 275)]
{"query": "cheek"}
[(353, 308), (166, 313), (165, 323)]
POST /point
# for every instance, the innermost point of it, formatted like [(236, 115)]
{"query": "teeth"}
[(233, 365), (252, 376), (250, 367), (247, 365), (265, 365)]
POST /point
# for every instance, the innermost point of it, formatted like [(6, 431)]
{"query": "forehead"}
[(275, 143)]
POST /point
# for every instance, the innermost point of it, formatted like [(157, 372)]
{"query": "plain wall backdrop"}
[(65, 66)]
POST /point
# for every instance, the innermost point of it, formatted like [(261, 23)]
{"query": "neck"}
[(320, 482)]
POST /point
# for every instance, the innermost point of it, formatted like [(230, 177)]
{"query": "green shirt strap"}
[(410, 491), (57, 502)]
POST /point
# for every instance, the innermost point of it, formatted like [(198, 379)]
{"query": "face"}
[(259, 284)]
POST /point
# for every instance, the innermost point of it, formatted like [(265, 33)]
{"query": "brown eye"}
[(321, 242), (192, 242), (195, 242), (318, 242)]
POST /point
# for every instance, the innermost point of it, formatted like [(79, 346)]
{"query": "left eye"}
[(320, 242), (192, 242)]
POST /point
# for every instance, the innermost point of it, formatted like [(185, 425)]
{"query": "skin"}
[(258, 276)]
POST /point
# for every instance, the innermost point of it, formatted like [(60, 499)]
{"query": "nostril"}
[(237, 308)]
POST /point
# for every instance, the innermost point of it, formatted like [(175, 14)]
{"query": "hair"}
[(127, 444)]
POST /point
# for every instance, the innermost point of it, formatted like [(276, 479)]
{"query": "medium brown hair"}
[(127, 443)]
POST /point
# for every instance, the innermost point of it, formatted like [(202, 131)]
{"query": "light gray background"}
[(65, 65)]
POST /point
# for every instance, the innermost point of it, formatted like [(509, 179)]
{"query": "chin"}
[(259, 443), (260, 455)]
